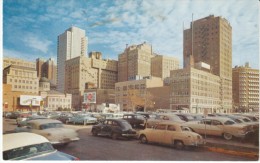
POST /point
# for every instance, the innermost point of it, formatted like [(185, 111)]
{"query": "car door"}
[(203, 126), (157, 134), (170, 134), (106, 130), (216, 128)]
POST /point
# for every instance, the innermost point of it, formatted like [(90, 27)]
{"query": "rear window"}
[(50, 125), (27, 151)]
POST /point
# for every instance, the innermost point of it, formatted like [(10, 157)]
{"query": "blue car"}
[(83, 119), (30, 146)]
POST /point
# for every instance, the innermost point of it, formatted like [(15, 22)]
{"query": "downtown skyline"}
[(30, 28)]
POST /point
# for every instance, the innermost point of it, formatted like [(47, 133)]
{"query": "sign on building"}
[(90, 97), (27, 100)]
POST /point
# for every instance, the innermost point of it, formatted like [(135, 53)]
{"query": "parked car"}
[(13, 115), (147, 115), (65, 118), (135, 120), (53, 130), (219, 126), (22, 117), (83, 119), (185, 117), (150, 123), (24, 121), (171, 133), (115, 128), (30, 146), (197, 117)]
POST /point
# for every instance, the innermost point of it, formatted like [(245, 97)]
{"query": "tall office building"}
[(162, 65), (72, 43), (209, 40), (246, 88), (135, 62)]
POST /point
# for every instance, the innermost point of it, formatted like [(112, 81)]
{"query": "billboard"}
[(90, 97), (27, 100)]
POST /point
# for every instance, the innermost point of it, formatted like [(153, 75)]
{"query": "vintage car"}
[(115, 128), (53, 130), (22, 117), (65, 117), (23, 121), (30, 146), (185, 117), (150, 123), (171, 133), (219, 126), (83, 119), (135, 120)]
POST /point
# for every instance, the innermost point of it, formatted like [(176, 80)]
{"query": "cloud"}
[(37, 43)]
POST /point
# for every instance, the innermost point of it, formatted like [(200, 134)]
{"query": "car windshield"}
[(229, 122), (28, 151), (125, 125), (246, 120), (50, 125)]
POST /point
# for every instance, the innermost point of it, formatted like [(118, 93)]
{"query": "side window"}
[(215, 123), (160, 127), (207, 122), (165, 118), (171, 128)]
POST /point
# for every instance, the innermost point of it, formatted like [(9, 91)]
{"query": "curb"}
[(232, 152)]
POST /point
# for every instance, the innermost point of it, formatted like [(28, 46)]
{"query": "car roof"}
[(169, 123), (222, 119), (16, 140), (44, 121)]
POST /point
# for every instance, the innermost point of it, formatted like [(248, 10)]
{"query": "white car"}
[(53, 130), (171, 133), (29, 146)]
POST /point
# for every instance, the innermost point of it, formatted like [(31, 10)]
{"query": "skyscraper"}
[(72, 43), (209, 40)]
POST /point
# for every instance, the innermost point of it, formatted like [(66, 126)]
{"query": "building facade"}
[(135, 93), (245, 88), (47, 69), (162, 65), (210, 40), (72, 43), (82, 70), (135, 61), (196, 90), (7, 61), (23, 79)]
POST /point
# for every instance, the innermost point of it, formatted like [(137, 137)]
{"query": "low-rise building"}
[(141, 94), (196, 90)]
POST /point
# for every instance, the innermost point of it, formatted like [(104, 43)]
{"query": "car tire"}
[(178, 144), (94, 132), (143, 139), (114, 136), (227, 136)]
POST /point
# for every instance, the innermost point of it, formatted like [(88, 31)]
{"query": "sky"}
[(31, 27)]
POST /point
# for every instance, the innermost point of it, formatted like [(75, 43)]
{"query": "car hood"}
[(56, 155)]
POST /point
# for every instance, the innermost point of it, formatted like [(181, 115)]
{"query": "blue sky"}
[(31, 27)]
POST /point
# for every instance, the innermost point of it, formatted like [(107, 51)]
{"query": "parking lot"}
[(103, 148)]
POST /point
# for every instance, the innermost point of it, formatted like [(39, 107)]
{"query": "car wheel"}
[(178, 144), (143, 139), (94, 132), (227, 136), (114, 136)]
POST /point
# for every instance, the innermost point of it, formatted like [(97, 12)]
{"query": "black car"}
[(115, 128), (135, 120)]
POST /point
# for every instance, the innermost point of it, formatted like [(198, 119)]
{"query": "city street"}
[(103, 148)]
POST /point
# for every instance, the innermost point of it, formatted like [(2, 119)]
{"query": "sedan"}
[(220, 126), (114, 128), (53, 130), (83, 119), (29, 146), (23, 122), (171, 133)]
